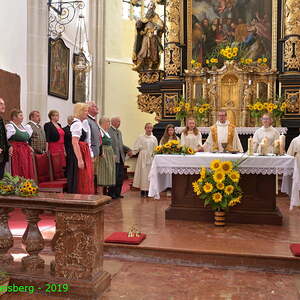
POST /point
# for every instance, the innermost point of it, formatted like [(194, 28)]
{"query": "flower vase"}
[(219, 218), (277, 122)]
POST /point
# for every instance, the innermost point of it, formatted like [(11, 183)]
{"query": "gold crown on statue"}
[(134, 232)]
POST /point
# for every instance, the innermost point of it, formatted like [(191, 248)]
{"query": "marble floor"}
[(143, 280)]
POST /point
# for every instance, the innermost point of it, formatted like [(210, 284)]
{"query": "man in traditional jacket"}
[(119, 150), (38, 138), (147, 47), (223, 132), (5, 148), (266, 131)]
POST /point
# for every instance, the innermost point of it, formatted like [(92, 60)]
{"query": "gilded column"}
[(172, 46), (291, 35)]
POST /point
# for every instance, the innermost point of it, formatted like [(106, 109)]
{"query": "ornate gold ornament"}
[(291, 55), (170, 101), (173, 21), (291, 17), (293, 101), (150, 103), (172, 60), (150, 76)]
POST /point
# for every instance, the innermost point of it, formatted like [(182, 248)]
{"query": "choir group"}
[(93, 154)]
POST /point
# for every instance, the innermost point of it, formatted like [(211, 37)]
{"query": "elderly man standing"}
[(5, 148), (95, 138), (119, 150), (38, 138), (223, 132)]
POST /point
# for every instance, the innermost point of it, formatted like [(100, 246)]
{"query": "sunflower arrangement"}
[(211, 62), (258, 108), (280, 108), (20, 186), (230, 53), (196, 65), (262, 61), (219, 185), (246, 61), (173, 147), (185, 109)]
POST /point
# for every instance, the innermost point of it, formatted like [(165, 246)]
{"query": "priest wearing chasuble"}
[(222, 132)]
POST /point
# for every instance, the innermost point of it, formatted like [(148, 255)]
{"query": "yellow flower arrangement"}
[(195, 64), (218, 189), (173, 147)]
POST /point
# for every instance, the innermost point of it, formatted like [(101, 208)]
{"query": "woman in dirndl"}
[(106, 166), (18, 137), (80, 174)]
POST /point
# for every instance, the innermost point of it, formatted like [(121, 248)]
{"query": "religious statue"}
[(147, 47), (248, 93)]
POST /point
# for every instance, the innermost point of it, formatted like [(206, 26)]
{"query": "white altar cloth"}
[(163, 166), (239, 130)]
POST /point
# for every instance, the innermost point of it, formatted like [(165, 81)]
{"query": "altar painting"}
[(244, 23)]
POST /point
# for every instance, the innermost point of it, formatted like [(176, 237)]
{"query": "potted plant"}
[(219, 188), (4, 282)]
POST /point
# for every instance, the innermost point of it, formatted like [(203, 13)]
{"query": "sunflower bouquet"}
[(262, 61), (219, 185), (20, 186), (257, 109), (26, 188), (196, 65), (280, 107), (173, 147)]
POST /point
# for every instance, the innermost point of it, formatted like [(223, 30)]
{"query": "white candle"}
[(208, 81), (250, 146), (282, 144), (194, 91), (183, 90), (250, 82)]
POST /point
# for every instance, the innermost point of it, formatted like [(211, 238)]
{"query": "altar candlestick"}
[(249, 81), (250, 146), (194, 91), (282, 144), (208, 81)]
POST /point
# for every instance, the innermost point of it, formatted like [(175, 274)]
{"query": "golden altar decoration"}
[(232, 88)]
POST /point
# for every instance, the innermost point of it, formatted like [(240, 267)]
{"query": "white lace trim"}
[(193, 171), (240, 130)]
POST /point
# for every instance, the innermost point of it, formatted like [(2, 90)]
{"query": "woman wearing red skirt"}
[(80, 172), (55, 137), (18, 136)]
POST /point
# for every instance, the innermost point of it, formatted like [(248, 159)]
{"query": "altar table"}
[(258, 182)]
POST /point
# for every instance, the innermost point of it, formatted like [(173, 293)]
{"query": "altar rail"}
[(240, 130), (77, 244)]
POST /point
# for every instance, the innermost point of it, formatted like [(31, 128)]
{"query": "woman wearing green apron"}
[(106, 166)]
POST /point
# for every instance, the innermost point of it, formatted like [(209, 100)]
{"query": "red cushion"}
[(53, 184), (122, 238), (58, 172), (42, 167), (295, 248)]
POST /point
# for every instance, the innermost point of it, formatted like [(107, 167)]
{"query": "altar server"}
[(144, 145), (266, 131), (223, 132), (191, 136), (169, 135)]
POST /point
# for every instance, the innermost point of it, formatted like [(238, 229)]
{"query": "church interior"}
[(150, 141)]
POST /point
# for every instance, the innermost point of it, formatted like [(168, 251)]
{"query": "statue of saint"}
[(247, 96), (147, 47)]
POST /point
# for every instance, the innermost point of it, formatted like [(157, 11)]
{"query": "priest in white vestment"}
[(222, 132), (145, 146), (266, 131)]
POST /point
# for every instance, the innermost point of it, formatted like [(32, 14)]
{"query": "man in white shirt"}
[(266, 131), (222, 132)]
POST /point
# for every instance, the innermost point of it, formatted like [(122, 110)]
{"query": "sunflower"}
[(234, 201), (196, 188), (208, 187), (187, 106), (259, 60), (283, 106), (260, 106), (207, 61), (212, 60), (217, 197), (215, 165), (229, 189), (167, 145), (190, 150), (229, 55), (219, 176), (234, 176), (201, 110), (193, 61), (203, 172), (158, 148), (226, 167), (175, 142), (265, 60), (220, 186)]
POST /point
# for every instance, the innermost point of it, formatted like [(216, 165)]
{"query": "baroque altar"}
[(192, 29)]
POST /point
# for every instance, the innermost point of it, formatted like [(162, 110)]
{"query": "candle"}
[(277, 147), (282, 144), (208, 81), (250, 146), (194, 91), (264, 146), (249, 81), (183, 90)]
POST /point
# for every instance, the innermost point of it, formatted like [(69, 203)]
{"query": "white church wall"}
[(13, 51)]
